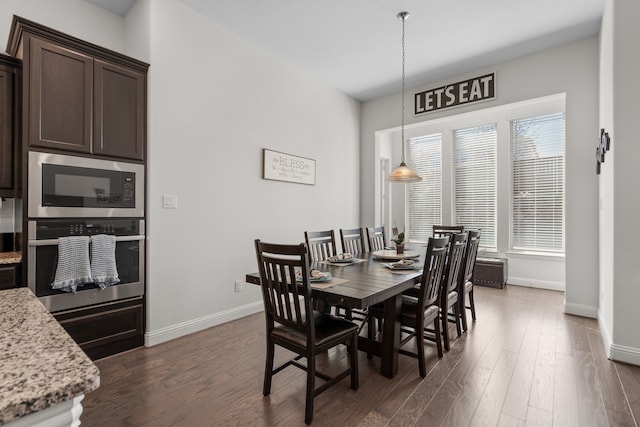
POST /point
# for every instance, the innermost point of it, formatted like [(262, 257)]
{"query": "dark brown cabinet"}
[(60, 97), (9, 276), (119, 113), (8, 75), (79, 97), (105, 329)]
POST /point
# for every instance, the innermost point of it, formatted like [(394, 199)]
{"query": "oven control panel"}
[(55, 228)]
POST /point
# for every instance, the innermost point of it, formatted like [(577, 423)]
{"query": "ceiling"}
[(355, 45)]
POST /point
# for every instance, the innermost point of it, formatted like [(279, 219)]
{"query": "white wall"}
[(77, 18), (619, 181), (215, 102), (571, 69)]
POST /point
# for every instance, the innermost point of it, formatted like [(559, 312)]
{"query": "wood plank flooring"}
[(522, 363)]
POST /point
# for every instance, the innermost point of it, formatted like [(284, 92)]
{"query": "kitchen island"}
[(43, 373)]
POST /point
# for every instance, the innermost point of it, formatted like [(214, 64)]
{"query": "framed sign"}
[(476, 89), (278, 166)]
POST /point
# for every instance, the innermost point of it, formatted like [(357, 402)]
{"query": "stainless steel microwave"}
[(70, 186)]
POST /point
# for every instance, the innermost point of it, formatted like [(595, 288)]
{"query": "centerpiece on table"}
[(399, 241)]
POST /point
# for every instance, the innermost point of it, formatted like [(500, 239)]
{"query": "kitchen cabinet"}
[(9, 276), (77, 96), (105, 329), (8, 77)]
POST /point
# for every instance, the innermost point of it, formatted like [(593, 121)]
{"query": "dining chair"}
[(449, 295), (352, 240), (465, 285), (376, 238), (447, 230), (416, 312), (292, 323), (321, 244)]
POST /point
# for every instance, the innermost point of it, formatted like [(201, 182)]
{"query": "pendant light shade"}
[(403, 173)]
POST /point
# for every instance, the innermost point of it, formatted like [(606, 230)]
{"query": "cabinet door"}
[(6, 125), (119, 106), (8, 277), (60, 97)]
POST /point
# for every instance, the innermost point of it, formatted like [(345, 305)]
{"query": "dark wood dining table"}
[(367, 283)]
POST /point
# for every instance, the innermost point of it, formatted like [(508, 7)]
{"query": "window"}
[(500, 169), (474, 180), (424, 198), (537, 183)]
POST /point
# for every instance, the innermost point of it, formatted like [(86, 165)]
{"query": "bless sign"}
[(472, 90)]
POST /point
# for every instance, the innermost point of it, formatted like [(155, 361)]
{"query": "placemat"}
[(330, 283), (388, 270), (343, 264)]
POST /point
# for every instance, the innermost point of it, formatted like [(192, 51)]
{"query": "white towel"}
[(73, 263), (103, 260)]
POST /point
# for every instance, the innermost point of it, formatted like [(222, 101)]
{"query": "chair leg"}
[(311, 384), (353, 353), (268, 368), (463, 313), (445, 328), (472, 305), (436, 329), (420, 344), (456, 315)]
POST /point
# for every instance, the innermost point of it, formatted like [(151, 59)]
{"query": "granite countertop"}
[(10, 257), (40, 364)]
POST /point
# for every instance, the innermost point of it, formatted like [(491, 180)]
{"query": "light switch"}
[(170, 201)]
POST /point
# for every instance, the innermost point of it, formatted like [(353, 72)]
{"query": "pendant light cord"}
[(403, 60)]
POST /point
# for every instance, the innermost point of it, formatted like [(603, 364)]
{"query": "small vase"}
[(400, 249)]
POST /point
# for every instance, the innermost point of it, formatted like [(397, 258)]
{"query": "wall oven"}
[(42, 258), (70, 186)]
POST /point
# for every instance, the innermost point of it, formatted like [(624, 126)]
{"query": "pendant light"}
[(403, 173)]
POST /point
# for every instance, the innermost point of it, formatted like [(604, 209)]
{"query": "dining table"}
[(367, 280)]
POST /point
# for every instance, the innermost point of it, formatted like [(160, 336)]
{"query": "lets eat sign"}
[(472, 90)]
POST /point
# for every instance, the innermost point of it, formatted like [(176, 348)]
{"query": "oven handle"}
[(52, 242)]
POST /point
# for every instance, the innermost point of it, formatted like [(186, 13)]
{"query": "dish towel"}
[(73, 263), (103, 260)]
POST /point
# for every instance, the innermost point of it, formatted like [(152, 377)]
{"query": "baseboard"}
[(581, 310), (540, 284), (620, 353), (606, 337), (181, 329)]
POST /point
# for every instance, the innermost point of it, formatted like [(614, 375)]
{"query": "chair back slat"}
[(376, 238), (455, 261), (471, 252), (352, 240), (433, 271), (287, 301), (447, 230), (321, 244)]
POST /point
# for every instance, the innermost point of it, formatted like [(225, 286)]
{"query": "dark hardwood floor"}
[(523, 363)]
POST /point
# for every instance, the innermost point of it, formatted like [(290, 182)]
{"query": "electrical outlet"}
[(239, 285)]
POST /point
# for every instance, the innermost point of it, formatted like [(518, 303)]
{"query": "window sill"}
[(550, 256)]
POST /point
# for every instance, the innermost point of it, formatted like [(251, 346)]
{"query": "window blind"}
[(474, 180), (537, 187), (424, 198)]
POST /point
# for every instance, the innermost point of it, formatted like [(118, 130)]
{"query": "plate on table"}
[(392, 255), (399, 266), (320, 277), (326, 277), (338, 260)]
